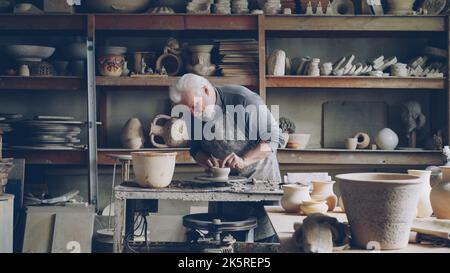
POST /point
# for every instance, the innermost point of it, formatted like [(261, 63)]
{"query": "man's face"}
[(200, 104)]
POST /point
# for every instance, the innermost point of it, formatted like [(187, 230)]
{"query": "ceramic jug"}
[(440, 195), (424, 208), (173, 132), (293, 197), (323, 190)]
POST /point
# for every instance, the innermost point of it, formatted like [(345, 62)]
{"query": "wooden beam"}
[(262, 56), (168, 81), (139, 22), (221, 22), (67, 22), (40, 83)]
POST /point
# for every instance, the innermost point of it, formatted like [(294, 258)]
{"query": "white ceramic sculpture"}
[(386, 139)]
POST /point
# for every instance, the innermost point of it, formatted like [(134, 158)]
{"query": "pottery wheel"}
[(210, 179)]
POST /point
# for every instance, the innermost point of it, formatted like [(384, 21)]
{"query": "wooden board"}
[(343, 119)]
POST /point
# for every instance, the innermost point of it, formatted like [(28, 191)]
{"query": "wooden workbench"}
[(283, 223), (181, 190)]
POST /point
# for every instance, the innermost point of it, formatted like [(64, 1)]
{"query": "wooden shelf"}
[(167, 81), (183, 155), (66, 22), (355, 23), (175, 22), (40, 83), (49, 157), (360, 157), (355, 82)]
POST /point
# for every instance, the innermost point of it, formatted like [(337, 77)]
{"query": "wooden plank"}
[(355, 23), (447, 85), (183, 155), (221, 22), (167, 81), (48, 157), (139, 22), (360, 157), (71, 22), (262, 56), (40, 83), (356, 82)]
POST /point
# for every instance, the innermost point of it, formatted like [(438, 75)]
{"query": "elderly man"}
[(248, 147)]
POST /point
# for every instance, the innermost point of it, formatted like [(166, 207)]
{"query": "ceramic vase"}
[(132, 135), (440, 195), (276, 63), (111, 65), (293, 197), (386, 139), (323, 190), (380, 207), (200, 62), (424, 208)]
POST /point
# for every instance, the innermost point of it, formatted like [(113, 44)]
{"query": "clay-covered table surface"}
[(283, 223)]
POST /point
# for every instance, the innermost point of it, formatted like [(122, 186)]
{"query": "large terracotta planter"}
[(380, 207), (153, 169), (440, 195)]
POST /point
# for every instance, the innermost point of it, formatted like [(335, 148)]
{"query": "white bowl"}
[(29, 53), (153, 169)]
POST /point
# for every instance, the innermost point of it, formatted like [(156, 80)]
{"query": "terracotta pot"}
[(293, 197), (153, 169), (400, 7), (298, 141), (440, 195), (386, 139), (174, 132), (323, 190), (380, 207), (424, 208), (111, 65)]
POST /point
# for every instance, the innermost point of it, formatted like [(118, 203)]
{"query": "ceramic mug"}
[(351, 143)]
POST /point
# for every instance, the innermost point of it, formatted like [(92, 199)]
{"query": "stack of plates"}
[(48, 132), (240, 57)]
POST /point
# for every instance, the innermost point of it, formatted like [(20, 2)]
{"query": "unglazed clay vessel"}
[(220, 172), (314, 206), (440, 195), (386, 139), (276, 63), (363, 140), (351, 143), (298, 141), (173, 132), (323, 190), (153, 169), (132, 135), (424, 208), (293, 196), (380, 207), (200, 62)]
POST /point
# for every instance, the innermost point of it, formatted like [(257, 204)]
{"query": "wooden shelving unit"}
[(49, 157), (41, 83), (350, 82)]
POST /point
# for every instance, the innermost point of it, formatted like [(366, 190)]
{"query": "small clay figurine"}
[(309, 9)]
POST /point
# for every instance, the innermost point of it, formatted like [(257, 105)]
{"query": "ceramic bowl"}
[(116, 6), (298, 141), (380, 207), (153, 169), (112, 50), (314, 206), (220, 172), (29, 53), (201, 48)]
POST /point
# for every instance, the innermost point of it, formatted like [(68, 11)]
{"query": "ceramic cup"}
[(220, 172), (351, 143)]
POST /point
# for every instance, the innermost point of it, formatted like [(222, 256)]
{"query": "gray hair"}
[(188, 82)]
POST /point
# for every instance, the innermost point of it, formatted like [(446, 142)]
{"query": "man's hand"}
[(207, 161), (233, 161)]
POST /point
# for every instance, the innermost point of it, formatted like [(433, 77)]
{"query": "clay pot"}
[(363, 140), (111, 65), (323, 190), (153, 169), (200, 62), (380, 207), (173, 132), (293, 196), (351, 143), (400, 7), (220, 172), (424, 208), (132, 135), (314, 206), (298, 141), (276, 63), (440, 195), (386, 139)]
